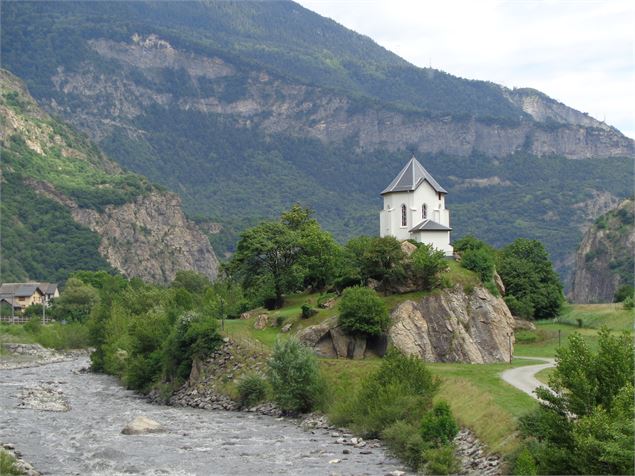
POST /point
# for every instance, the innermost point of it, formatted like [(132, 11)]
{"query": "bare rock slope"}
[(448, 326), (604, 260)]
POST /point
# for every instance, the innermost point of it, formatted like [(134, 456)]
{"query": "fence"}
[(21, 319)]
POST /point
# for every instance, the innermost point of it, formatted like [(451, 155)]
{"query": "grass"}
[(479, 398), (596, 315), (55, 335), (8, 464)]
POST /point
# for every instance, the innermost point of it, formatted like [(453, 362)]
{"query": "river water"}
[(87, 439)]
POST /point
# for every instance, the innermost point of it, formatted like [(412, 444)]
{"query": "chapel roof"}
[(410, 177), (429, 225)]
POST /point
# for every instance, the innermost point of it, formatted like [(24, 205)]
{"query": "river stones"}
[(44, 397), (142, 425)]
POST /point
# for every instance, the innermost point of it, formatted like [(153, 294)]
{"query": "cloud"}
[(581, 53)]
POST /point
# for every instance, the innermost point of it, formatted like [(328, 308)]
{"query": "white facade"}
[(414, 208)]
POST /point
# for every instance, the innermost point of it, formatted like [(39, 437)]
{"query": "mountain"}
[(67, 207), (604, 260), (244, 108)]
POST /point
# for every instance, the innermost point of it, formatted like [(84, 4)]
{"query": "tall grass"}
[(55, 335)]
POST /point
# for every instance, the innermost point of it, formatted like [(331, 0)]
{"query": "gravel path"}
[(524, 378)]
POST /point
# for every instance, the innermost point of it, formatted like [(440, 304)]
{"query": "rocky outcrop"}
[(150, 238), (142, 425), (454, 326), (328, 339), (604, 260), (448, 326)]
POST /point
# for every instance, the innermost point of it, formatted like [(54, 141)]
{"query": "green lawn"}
[(597, 315)]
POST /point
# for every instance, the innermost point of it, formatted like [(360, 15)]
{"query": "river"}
[(87, 439)]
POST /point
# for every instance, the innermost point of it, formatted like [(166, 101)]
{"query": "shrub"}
[(481, 261), (441, 460), (628, 303), (362, 311), (307, 311), (252, 389), (294, 377), (404, 440), (34, 310), (427, 266), (438, 426), (623, 292), (525, 464), (34, 325), (401, 389), (520, 307)]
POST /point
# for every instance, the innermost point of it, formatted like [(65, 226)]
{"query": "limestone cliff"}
[(604, 260), (448, 326), (274, 105), (142, 231)]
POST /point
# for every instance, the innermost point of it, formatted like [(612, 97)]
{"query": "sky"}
[(581, 53)]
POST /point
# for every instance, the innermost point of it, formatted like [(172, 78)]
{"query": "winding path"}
[(524, 377)]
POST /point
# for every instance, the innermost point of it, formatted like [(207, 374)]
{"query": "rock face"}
[(453, 326), (329, 340), (150, 238), (142, 425), (450, 326), (604, 260)]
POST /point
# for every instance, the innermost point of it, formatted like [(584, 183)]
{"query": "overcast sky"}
[(581, 53)]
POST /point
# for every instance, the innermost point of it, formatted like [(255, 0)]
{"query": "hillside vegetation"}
[(244, 108)]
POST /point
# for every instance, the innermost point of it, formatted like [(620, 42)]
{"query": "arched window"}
[(424, 211), (404, 216)]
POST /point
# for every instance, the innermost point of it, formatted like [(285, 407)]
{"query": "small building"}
[(414, 208), (22, 295)]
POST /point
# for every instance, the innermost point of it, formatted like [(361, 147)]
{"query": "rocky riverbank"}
[(18, 355), (19, 464)]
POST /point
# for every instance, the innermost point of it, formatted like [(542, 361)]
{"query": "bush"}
[(34, 325), (525, 337), (438, 426), (401, 389), (628, 303), (295, 377), (520, 307), (307, 311), (441, 460), (252, 389), (481, 261), (427, 266), (362, 311), (404, 440), (525, 464), (34, 310), (624, 292)]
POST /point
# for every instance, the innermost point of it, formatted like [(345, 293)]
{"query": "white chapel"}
[(414, 208)]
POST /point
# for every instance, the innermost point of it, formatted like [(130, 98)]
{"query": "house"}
[(22, 295), (414, 208)]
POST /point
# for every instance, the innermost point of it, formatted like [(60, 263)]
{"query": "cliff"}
[(604, 260), (447, 326), (56, 177)]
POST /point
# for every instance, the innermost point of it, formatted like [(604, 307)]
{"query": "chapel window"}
[(424, 211), (404, 216)]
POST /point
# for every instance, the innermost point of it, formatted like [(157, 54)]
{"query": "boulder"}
[(453, 326), (328, 339), (142, 425), (262, 321), (522, 324), (287, 327), (328, 304), (499, 283), (408, 248)]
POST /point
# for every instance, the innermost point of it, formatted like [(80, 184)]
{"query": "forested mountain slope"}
[(246, 107), (604, 261), (66, 207)]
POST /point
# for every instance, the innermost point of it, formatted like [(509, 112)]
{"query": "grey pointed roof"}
[(411, 177), (429, 225)]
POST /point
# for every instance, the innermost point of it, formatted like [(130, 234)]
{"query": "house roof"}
[(429, 225), (20, 289), (410, 177), (26, 289)]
